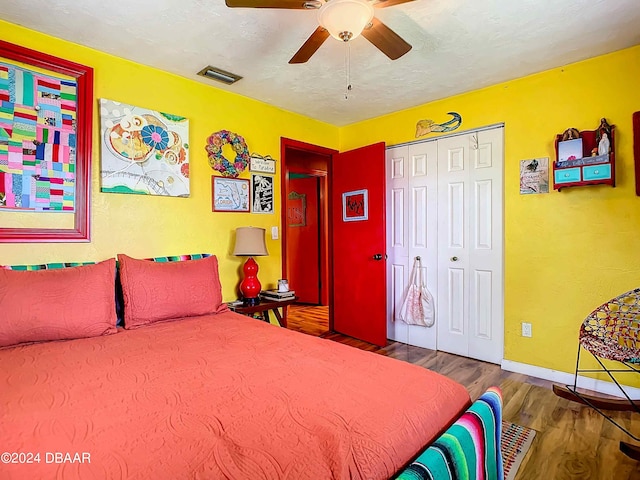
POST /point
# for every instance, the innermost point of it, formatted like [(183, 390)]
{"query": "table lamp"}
[(250, 242)]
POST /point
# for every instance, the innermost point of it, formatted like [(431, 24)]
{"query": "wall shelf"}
[(599, 170)]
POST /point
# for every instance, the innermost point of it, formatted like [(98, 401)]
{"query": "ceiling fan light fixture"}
[(345, 19)]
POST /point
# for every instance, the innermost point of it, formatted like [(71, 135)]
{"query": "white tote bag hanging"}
[(418, 307)]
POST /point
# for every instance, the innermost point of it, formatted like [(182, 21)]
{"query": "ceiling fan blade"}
[(387, 41), (309, 47), (389, 3), (287, 4)]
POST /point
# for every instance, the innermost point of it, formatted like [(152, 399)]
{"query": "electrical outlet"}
[(526, 329), (274, 233)]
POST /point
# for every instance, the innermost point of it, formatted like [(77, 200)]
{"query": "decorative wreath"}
[(218, 162)]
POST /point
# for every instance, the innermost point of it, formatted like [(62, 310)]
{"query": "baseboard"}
[(564, 378)]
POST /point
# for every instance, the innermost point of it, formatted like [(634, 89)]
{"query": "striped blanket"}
[(469, 449)]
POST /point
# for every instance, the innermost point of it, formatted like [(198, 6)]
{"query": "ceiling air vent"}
[(219, 75)]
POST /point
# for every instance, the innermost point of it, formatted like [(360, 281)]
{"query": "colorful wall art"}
[(226, 167), (37, 140), (143, 151), (424, 127)]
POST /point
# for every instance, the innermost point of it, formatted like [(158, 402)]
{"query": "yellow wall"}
[(144, 226), (565, 252)]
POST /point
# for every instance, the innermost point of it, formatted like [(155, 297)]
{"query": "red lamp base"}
[(250, 286)]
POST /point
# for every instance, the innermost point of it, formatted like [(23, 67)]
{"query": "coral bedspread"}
[(218, 396)]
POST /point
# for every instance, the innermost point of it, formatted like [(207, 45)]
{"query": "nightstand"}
[(262, 309)]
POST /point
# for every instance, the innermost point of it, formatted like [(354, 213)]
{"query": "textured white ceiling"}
[(458, 45)]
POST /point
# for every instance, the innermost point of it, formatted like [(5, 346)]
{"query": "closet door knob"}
[(454, 259), (377, 256)]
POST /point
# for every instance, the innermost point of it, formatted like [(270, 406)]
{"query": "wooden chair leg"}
[(594, 400), (602, 404), (630, 450)]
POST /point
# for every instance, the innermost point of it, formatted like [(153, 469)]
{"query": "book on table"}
[(276, 295), (274, 299)]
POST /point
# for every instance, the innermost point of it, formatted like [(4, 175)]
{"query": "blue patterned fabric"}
[(469, 449), (46, 266)]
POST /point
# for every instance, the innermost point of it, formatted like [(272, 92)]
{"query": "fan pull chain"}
[(347, 68)]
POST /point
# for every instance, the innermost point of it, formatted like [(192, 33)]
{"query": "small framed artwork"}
[(355, 206), (262, 193), (261, 164), (534, 176), (570, 150), (297, 210), (229, 194)]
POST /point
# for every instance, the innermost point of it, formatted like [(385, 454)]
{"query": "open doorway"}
[(305, 233)]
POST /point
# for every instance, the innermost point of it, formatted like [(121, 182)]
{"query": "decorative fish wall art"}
[(424, 127)]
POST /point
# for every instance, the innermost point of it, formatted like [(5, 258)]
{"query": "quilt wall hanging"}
[(46, 118), (37, 140), (143, 151)]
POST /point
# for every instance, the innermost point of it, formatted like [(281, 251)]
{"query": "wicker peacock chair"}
[(611, 332)]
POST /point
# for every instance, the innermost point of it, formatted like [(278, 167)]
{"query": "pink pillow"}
[(156, 291), (61, 304)]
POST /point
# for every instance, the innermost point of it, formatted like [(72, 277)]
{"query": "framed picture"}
[(262, 164), (297, 210), (534, 176), (229, 194), (570, 150), (355, 206), (262, 193), (47, 132)]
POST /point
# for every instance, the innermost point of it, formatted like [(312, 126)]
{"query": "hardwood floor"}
[(572, 441)]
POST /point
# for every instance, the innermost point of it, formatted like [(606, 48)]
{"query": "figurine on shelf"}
[(570, 134), (604, 144), (603, 128)]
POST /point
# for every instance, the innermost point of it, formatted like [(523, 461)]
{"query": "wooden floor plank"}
[(625, 468), (545, 455)]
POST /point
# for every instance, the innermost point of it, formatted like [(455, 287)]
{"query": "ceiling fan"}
[(341, 19)]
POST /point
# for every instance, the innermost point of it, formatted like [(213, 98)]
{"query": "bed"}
[(204, 395)]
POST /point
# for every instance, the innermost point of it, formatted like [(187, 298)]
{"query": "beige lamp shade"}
[(250, 242)]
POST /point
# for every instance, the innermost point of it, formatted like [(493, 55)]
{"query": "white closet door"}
[(470, 257), (412, 232), (486, 315), (397, 239)]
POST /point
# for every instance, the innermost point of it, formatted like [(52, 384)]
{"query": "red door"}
[(303, 234), (358, 243)]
